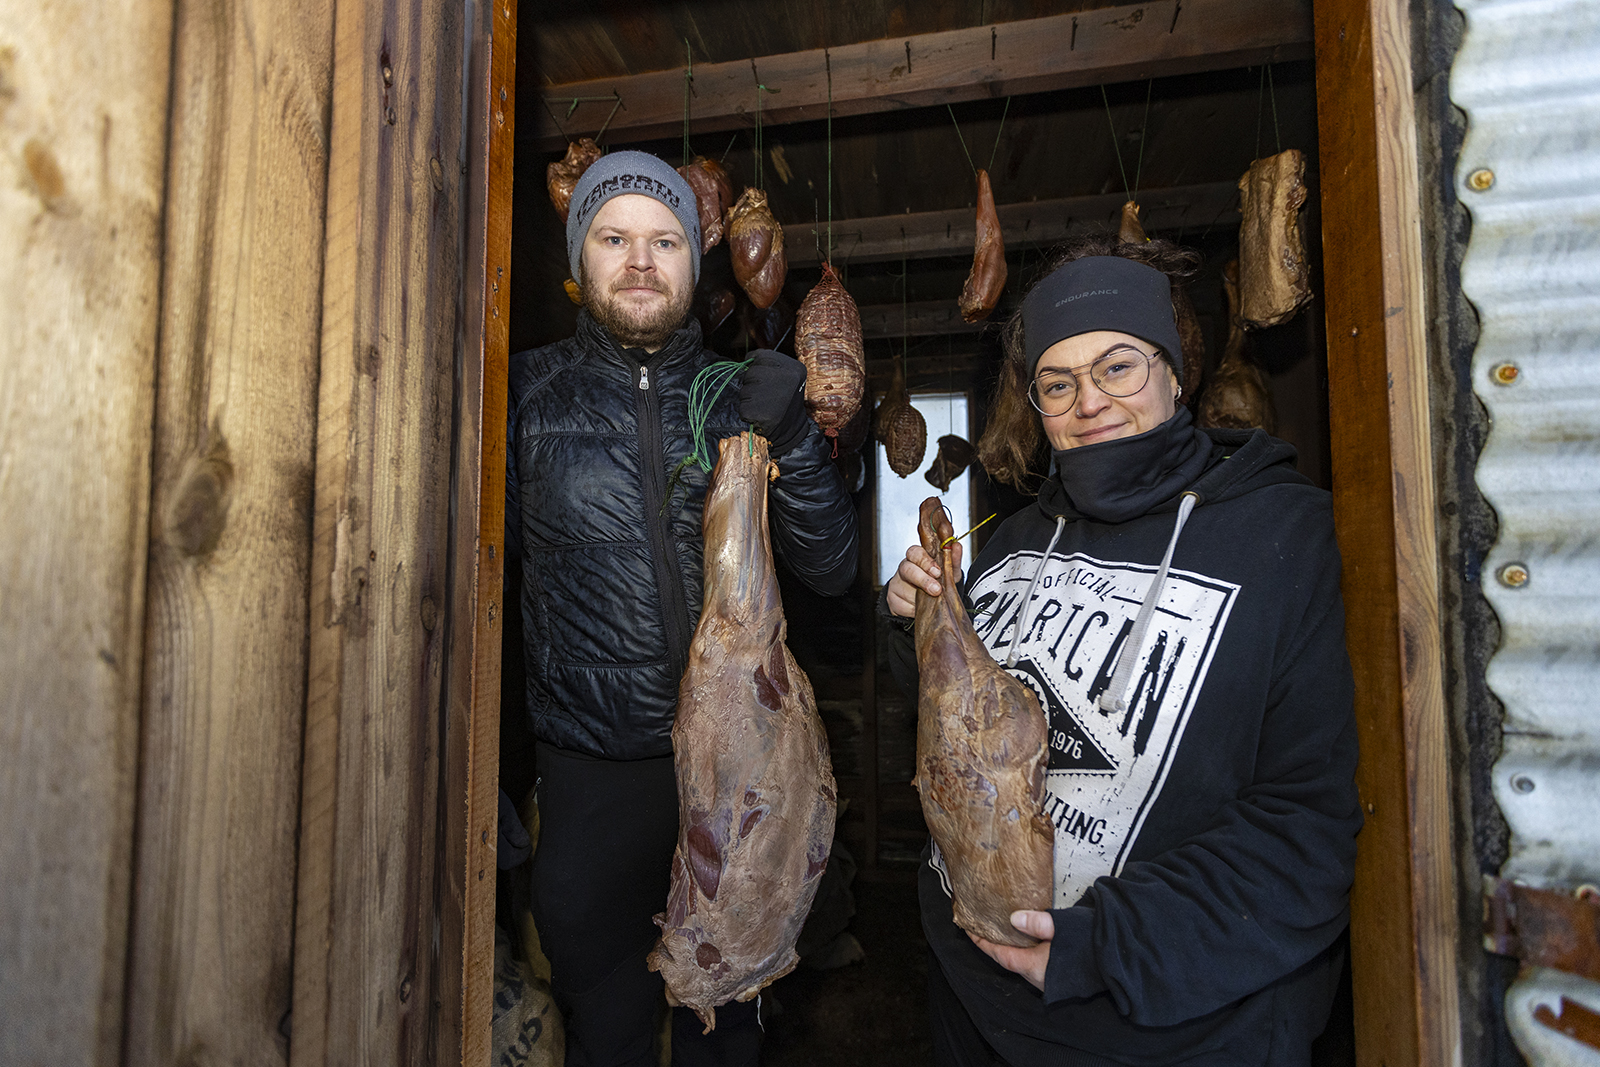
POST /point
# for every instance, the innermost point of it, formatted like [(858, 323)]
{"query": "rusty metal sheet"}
[(1528, 77)]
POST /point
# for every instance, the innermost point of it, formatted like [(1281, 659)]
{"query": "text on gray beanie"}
[(618, 173)]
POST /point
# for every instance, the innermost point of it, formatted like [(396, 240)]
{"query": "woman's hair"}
[(1012, 446)]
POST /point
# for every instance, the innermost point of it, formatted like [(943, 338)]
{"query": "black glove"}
[(772, 398)]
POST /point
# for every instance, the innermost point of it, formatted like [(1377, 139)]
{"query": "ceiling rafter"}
[(1113, 44), (925, 234)]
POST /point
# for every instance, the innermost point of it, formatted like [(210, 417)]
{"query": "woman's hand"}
[(918, 571), (1028, 962)]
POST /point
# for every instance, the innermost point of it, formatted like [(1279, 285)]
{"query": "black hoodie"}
[(1205, 835)]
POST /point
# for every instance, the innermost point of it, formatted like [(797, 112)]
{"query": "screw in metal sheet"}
[(1505, 373), (1480, 180), (1521, 783), (1513, 575)]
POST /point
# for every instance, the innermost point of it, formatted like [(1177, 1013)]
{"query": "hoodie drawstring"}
[(1115, 699), (1022, 611)]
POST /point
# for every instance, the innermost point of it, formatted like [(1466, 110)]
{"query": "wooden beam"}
[(477, 555), (230, 552), (1403, 930), (367, 941), (1033, 223), (84, 114), (1113, 44)]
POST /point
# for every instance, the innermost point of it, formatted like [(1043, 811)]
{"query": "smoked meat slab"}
[(756, 795), (981, 757), (987, 280)]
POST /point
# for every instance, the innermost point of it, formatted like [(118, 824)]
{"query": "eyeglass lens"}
[(1119, 373)]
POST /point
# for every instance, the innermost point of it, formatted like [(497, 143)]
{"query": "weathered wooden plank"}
[(1403, 925), (1130, 42), (365, 950), (230, 534), (83, 106), (471, 771), (1031, 223)]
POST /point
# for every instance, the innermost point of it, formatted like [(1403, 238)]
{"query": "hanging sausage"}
[(987, 279), (828, 341), (562, 176), (1274, 279), (755, 241), (756, 793), (713, 195), (981, 758), (900, 426)]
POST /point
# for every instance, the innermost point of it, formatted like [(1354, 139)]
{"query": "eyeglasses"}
[(1121, 372)]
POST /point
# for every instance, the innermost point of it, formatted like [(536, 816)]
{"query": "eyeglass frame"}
[(1088, 369)]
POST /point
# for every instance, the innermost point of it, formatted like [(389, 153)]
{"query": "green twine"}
[(704, 392)]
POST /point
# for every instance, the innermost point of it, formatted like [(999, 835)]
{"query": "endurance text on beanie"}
[(1101, 293), (619, 173)]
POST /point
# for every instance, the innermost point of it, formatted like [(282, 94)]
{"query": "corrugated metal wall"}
[(1528, 77)]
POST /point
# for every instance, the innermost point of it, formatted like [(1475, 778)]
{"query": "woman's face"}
[(1094, 415)]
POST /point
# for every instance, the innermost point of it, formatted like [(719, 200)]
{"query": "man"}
[(609, 549)]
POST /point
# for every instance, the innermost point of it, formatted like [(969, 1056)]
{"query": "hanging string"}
[(997, 134), (958, 537), (1261, 101), (559, 127), (827, 61), (760, 180), (688, 87), (964, 151), (1272, 94), (731, 141), (1114, 146), (1143, 132), (704, 393), (602, 131)]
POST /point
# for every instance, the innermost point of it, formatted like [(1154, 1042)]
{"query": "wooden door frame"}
[(1403, 904)]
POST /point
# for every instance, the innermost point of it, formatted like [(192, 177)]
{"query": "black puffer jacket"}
[(610, 577)]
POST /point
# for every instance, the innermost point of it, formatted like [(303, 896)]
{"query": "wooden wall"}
[(254, 366), (235, 430), (83, 138)]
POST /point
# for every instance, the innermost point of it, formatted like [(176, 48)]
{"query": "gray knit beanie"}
[(618, 173)]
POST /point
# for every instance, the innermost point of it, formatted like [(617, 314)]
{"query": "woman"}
[(1173, 599)]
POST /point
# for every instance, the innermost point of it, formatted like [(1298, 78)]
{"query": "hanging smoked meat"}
[(988, 277), (756, 794), (574, 291), (1131, 232), (712, 307), (1274, 281), (1236, 397), (562, 177), (900, 427), (981, 757), (755, 241), (713, 195), (954, 456), (828, 341)]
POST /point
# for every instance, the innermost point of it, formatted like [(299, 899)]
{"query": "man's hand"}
[(1028, 962), (772, 398), (918, 571)]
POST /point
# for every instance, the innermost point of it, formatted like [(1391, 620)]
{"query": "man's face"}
[(638, 271)]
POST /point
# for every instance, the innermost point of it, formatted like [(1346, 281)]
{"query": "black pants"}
[(600, 873), (956, 1041)]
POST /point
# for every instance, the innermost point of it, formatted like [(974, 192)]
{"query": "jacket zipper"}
[(663, 546)]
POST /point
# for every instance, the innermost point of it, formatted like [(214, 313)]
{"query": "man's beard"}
[(637, 327)]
